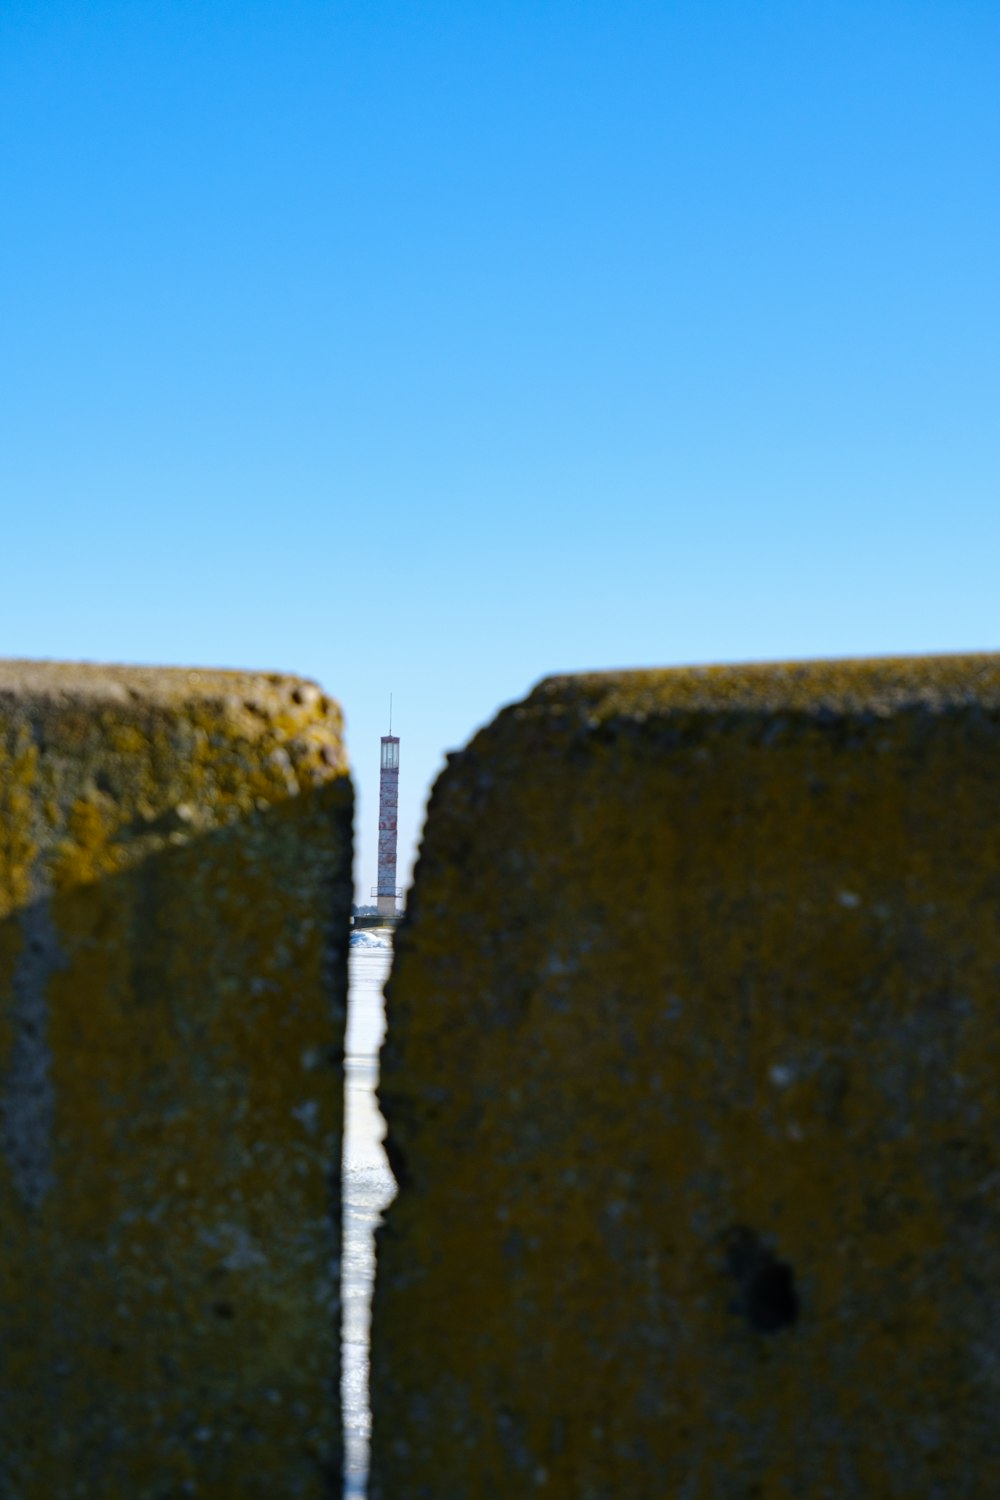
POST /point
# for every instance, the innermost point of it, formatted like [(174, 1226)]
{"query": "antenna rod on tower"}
[(390, 713)]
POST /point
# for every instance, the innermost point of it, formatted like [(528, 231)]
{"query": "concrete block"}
[(692, 1082), (175, 886)]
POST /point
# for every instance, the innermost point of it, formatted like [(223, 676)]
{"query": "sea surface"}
[(368, 1187)]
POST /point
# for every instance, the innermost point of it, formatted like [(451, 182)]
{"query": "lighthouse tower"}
[(388, 806)]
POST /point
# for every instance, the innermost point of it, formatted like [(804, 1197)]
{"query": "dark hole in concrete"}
[(767, 1295), (772, 1302)]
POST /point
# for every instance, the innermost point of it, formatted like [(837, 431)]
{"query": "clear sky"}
[(434, 347)]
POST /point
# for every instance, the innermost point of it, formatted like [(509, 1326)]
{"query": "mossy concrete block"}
[(692, 1082), (175, 853)]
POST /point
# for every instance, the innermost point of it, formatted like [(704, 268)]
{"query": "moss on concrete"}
[(691, 1086), (174, 894)]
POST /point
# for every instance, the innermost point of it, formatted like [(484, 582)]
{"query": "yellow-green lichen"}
[(689, 1082), (175, 860), (18, 769)]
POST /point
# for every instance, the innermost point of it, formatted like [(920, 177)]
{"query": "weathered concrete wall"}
[(174, 905), (692, 1090)]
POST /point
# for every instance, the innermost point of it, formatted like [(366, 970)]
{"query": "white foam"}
[(364, 939)]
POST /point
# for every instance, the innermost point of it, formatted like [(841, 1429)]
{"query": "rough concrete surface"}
[(691, 1082), (175, 855)]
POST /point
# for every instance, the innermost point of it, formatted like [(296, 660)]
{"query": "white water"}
[(368, 1187)]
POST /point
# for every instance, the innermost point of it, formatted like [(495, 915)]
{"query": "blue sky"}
[(431, 348)]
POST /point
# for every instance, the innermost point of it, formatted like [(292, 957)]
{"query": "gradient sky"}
[(431, 348)]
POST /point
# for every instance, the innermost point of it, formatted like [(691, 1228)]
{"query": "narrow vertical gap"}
[(367, 1188)]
